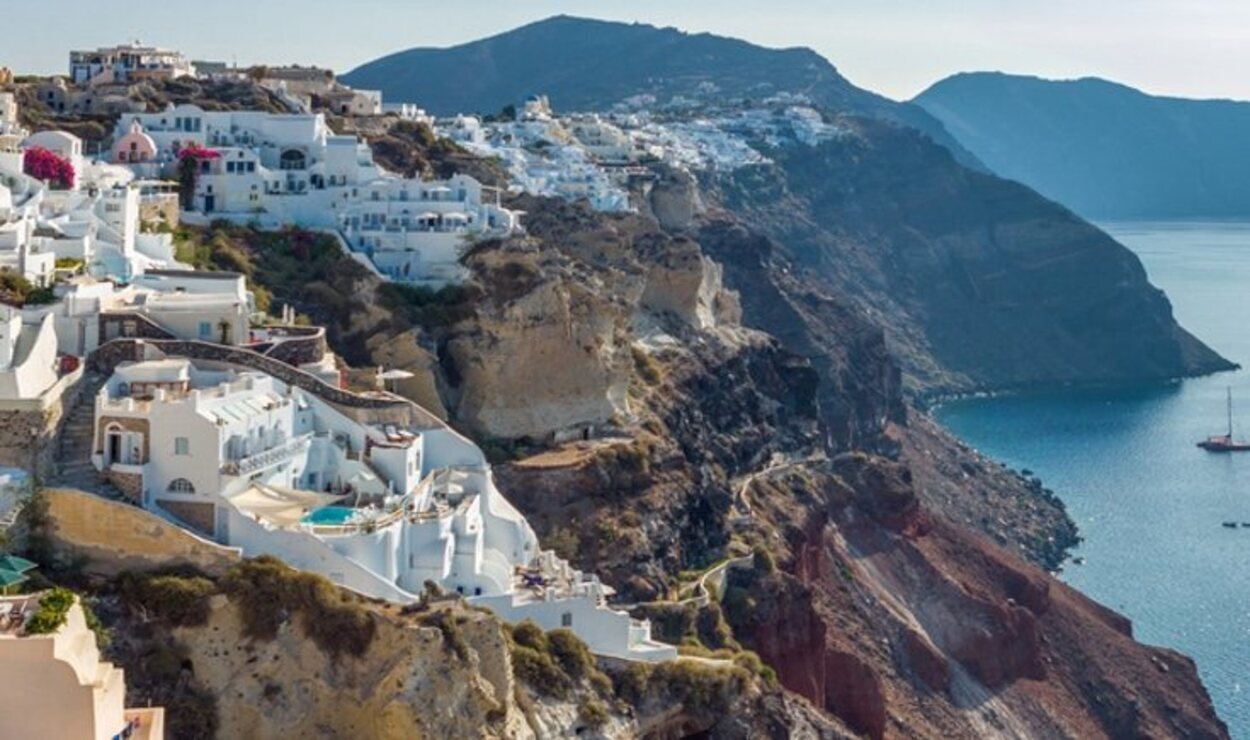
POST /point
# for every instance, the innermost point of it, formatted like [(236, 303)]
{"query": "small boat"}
[(1225, 442), (1230, 525)]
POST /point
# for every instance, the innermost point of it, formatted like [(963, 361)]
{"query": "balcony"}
[(267, 459)]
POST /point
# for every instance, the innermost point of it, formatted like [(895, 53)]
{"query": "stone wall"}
[(29, 429), (115, 537), (130, 484), (301, 346), (199, 516), (130, 325)]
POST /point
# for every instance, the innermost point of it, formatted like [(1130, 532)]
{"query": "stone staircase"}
[(74, 446)]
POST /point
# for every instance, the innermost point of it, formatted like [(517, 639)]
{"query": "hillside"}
[(583, 64), (1103, 149), (980, 283)]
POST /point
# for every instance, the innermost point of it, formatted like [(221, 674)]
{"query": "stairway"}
[(73, 468)]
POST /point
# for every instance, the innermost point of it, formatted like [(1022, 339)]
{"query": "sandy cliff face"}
[(408, 683)]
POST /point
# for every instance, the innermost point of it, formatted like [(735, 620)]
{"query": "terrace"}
[(276, 455)]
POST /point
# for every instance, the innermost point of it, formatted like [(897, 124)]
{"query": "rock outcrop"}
[(979, 282)]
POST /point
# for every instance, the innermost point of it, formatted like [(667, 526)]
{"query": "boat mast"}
[(1230, 412)]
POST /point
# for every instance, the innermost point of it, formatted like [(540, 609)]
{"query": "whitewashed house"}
[(379, 507), (59, 685), (126, 63), (291, 169), (28, 356)]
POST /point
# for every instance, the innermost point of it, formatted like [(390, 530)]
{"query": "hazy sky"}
[(1194, 48)]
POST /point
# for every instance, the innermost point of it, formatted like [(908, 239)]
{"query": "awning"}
[(283, 507), (16, 564), (10, 578)]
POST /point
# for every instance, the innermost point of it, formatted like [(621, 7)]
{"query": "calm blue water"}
[(1149, 503), (329, 516)]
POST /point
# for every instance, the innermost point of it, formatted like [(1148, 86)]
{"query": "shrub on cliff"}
[(268, 592), (176, 600), (700, 688), (554, 663), (571, 653)]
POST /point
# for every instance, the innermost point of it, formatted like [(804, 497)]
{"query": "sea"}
[(1150, 505)]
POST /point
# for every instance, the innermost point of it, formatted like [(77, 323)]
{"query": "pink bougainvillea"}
[(195, 151), (46, 165), (191, 159)]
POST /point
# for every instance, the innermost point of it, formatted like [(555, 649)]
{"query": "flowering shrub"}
[(191, 159), (195, 151), (46, 165)]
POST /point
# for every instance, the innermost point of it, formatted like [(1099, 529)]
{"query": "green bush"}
[(530, 635), (699, 687), (539, 671), (571, 653), (53, 611)]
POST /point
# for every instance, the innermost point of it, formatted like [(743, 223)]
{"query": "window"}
[(566, 619), (181, 485), (182, 446), (206, 328)]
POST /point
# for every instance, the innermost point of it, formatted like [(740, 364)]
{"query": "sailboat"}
[(1224, 442)]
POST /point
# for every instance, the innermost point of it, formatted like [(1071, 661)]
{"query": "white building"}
[(582, 158), (415, 230), (380, 508), (291, 169), (28, 356), (95, 222), (58, 685), (131, 62)]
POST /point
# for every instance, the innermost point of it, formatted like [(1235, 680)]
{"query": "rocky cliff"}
[(265, 652), (978, 282)]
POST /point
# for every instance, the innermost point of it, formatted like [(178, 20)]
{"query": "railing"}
[(270, 457)]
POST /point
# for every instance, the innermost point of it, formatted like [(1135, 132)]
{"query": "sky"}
[(1188, 48)]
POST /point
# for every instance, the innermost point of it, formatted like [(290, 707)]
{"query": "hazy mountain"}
[(1101, 148), (584, 64)]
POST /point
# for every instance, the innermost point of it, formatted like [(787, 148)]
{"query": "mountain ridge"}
[(551, 57), (1100, 147)]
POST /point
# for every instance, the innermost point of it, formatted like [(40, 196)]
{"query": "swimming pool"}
[(329, 516)]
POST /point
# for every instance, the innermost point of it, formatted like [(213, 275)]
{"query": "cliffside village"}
[(128, 374)]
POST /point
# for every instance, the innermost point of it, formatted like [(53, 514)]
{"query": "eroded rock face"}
[(552, 357), (548, 347), (905, 633)]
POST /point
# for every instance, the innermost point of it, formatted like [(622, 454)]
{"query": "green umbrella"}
[(10, 578), (16, 564)]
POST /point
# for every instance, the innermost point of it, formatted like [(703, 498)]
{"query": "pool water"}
[(330, 515)]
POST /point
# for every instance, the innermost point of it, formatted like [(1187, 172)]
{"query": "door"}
[(210, 203), (115, 449)]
